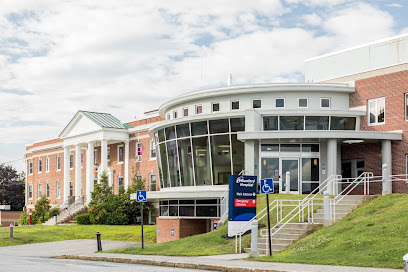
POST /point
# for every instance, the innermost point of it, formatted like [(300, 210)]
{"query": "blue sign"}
[(141, 196), (267, 186), (242, 197), (172, 232)]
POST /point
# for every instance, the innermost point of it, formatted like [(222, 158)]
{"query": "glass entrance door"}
[(291, 165)]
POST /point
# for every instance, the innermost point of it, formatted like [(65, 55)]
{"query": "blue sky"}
[(126, 57)]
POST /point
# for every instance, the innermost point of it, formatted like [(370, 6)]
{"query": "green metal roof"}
[(127, 125), (103, 119)]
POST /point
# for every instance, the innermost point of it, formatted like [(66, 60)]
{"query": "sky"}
[(126, 57)]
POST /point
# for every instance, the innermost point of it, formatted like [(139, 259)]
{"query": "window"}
[(120, 154), (174, 114), (108, 153), (185, 112), (95, 156), (138, 177), (71, 161), (270, 122), (58, 163), (71, 188), (47, 164), (47, 189), (30, 191), (138, 151), (39, 190), (120, 183), (342, 123), (199, 109), (152, 147), (235, 105), (39, 165), (317, 123), (58, 193), (82, 160), (30, 168), (325, 103), (215, 107), (168, 116), (291, 122), (406, 107), (256, 103), (302, 102), (279, 102), (152, 182), (376, 111)]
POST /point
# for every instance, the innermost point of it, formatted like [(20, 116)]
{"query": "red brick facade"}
[(182, 228), (9, 217)]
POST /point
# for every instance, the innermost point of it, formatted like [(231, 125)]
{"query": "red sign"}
[(245, 202)]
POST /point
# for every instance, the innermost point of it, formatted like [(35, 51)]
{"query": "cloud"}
[(312, 19), (394, 5), (326, 3)]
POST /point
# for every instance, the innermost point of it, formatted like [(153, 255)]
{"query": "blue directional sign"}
[(267, 186), (242, 197), (141, 196)]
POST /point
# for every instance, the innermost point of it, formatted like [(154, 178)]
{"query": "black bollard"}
[(98, 241)]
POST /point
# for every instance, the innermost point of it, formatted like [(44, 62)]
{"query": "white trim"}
[(56, 190), (47, 164), (239, 104), (38, 165), (39, 190), (123, 153), (307, 102), (138, 158), (69, 162), (32, 169), (252, 106), (284, 102), (56, 163), (152, 146), (321, 99), (28, 193)]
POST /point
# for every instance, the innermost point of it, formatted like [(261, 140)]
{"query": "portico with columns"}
[(84, 134)]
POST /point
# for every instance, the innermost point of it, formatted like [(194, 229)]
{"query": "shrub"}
[(83, 219), (53, 212)]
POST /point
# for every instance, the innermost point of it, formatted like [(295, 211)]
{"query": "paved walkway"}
[(84, 249)]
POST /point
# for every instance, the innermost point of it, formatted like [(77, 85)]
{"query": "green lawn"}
[(375, 234), (39, 234)]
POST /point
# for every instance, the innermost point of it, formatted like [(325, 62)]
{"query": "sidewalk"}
[(231, 262)]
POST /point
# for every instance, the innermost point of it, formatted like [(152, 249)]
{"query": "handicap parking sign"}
[(141, 196), (266, 186), (172, 232)]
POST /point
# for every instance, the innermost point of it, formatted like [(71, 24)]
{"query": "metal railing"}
[(224, 205)]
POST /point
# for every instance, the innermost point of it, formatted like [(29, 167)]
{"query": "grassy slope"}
[(210, 243), (375, 234), (58, 233)]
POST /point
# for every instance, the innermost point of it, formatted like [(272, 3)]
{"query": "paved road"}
[(35, 258)]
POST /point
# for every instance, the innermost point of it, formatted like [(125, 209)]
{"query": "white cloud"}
[(318, 2), (312, 19), (394, 5)]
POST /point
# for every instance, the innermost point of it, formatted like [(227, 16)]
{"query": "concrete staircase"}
[(292, 232), (67, 215)]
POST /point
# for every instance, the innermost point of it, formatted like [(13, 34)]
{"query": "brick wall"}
[(182, 228), (9, 217)]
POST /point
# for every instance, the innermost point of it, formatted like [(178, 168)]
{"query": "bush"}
[(83, 219), (24, 219), (53, 212)]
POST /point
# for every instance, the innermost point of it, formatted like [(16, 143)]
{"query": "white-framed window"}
[(235, 105), (138, 151), (47, 189), (138, 177), (185, 112), (152, 150), (303, 102), (168, 116), (120, 153), (152, 182), (95, 156), (82, 159), (120, 183), (30, 191), (59, 163), (58, 191), (174, 114), (376, 111), (39, 165), (325, 103), (199, 109), (256, 103), (108, 153), (215, 107), (38, 190), (71, 188), (47, 164), (406, 107), (71, 161), (30, 168), (279, 102)]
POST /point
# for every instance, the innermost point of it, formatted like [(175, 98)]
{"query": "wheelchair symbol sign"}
[(266, 186), (141, 196)]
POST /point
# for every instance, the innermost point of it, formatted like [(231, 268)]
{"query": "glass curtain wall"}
[(200, 153)]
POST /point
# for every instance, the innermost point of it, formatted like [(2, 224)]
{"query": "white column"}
[(78, 182), (66, 173), (104, 155), (126, 181), (89, 171), (387, 159), (331, 161)]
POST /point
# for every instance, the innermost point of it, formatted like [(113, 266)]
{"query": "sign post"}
[(267, 188), (141, 197)]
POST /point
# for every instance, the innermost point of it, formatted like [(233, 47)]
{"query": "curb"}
[(168, 264)]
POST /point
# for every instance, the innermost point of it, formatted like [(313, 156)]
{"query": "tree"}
[(41, 208), (11, 187)]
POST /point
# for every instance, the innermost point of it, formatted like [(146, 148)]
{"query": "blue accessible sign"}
[(267, 186), (141, 196), (242, 197)]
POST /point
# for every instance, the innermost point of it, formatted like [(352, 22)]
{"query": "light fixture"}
[(353, 141), (224, 146)]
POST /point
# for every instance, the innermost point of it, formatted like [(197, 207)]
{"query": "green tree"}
[(11, 187), (41, 208)]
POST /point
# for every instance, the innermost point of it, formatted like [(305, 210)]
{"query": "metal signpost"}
[(267, 188), (141, 197)]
